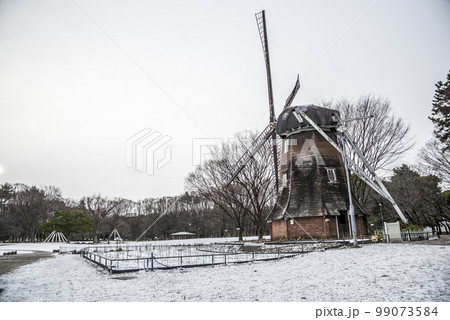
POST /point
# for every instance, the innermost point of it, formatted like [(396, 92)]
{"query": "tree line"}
[(30, 213)]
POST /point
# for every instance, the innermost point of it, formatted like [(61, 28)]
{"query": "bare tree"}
[(250, 194), (98, 208), (207, 180), (383, 139), (32, 206), (432, 160), (256, 181)]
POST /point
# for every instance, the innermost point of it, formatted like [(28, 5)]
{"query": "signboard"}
[(392, 231)]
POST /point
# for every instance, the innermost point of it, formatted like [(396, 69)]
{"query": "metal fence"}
[(416, 235), (117, 259)]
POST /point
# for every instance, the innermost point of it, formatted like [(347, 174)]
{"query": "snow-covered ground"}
[(375, 272), (28, 247)]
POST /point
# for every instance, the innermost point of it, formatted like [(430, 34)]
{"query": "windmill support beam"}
[(352, 209), (361, 174), (377, 184), (377, 179)]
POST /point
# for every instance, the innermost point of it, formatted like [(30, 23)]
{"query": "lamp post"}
[(381, 215)]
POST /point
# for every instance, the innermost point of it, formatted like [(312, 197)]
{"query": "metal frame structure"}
[(116, 235), (56, 237)]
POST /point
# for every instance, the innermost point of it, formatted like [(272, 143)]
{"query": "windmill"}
[(312, 170)]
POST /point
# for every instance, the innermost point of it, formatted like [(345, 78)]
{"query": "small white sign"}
[(392, 230)]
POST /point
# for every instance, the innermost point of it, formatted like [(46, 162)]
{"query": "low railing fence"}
[(153, 262), (147, 247), (416, 235)]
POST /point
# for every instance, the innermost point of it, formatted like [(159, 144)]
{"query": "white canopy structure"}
[(56, 237), (115, 235), (182, 235)]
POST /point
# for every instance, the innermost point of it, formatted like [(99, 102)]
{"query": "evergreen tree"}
[(441, 112), (419, 197), (69, 221)]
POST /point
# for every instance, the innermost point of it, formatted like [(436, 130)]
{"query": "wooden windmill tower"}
[(313, 196)]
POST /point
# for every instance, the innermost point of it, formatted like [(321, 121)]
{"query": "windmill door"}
[(344, 230)]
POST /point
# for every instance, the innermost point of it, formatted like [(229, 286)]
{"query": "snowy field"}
[(375, 272), (28, 247), (50, 246)]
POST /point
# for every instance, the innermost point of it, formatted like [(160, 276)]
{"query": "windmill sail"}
[(293, 93), (249, 153), (261, 23), (269, 131)]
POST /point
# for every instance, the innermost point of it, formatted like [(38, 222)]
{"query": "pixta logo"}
[(148, 151), (203, 148)]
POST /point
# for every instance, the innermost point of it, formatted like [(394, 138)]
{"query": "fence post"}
[(152, 260), (225, 256), (212, 260)]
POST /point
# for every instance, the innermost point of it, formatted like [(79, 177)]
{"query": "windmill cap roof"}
[(323, 117)]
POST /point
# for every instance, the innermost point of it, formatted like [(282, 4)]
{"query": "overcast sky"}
[(78, 79)]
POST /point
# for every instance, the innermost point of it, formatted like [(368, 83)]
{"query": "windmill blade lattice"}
[(261, 22), (263, 137), (262, 29)]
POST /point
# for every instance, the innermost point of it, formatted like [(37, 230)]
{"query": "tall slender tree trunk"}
[(96, 233), (260, 232)]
